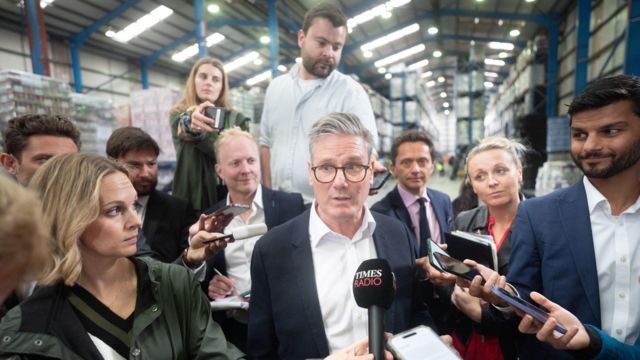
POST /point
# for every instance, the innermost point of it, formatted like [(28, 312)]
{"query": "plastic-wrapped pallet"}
[(24, 93), (95, 119), (150, 111)]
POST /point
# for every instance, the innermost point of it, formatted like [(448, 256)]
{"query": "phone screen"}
[(231, 209), (456, 267), (419, 343), (379, 179), (519, 303)]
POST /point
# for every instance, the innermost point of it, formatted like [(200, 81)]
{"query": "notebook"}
[(479, 248)]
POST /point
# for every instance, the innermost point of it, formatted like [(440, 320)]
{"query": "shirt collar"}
[(257, 198), (294, 73), (595, 198), (409, 199), (143, 200), (318, 229)]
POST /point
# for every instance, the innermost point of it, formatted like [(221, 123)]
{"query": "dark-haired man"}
[(165, 219), (580, 246), (31, 140), (296, 100)]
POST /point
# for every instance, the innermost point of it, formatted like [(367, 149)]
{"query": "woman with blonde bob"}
[(96, 300), (23, 238), (494, 171), (194, 133)]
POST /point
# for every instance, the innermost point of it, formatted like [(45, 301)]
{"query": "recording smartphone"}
[(231, 209), (519, 303), (456, 267), (419, 343), (435, 249), (379, 179)]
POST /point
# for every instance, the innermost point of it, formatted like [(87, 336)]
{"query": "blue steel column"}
[(273, 35), (75, 65), (34, 26), (198, 7), (632, 55), (582, 46), (144, 75), (552, 71)]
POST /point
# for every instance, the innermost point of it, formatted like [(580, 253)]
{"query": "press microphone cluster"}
[(242, 232), (374, 289)]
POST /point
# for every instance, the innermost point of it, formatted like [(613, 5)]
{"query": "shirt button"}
[(154, 308), (135, 352), (621, 295), (621, 223), (619, 331), (8, 338), (38, 342), (623, 259)]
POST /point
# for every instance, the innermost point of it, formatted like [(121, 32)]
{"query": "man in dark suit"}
[(302, 271), (414, 204), (165, 219), (580, 246), (238, 164)]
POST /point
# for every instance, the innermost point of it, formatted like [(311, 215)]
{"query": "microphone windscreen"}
[(374, 284), (248, 231)]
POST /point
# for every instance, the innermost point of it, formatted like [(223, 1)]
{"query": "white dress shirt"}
[(616, 241), (238, 253), (141, 207), (335, 261)]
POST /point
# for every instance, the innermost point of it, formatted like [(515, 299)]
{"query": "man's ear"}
[(217, 168), (10, 163), (309, 171), (301, 37)]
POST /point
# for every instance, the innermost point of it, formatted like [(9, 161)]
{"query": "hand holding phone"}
[(519, 303), (420, 343), (445, 263), (379, 178)]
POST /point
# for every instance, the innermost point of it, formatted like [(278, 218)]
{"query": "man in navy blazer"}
[(302, 303), (580, 246), (228, 272), (412, 162)]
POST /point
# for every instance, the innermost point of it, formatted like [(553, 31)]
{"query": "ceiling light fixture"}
[(441, 79), (213, 8), (437, 54), (142, 24), (431, 83), (241, 61), (282, 68), (192, 50), (488, 84), (418, 65), (257, 61), (367, 54), (382, 70), (298, 60), (374, 12), (45, 3), (490, 74), (387, 39), (259, 78), (503, 55), (447, 112), (388, 76), (426, 75), (445, 104), (264, 39), (432, 30), (400, 55), (501, 46), (443, 94), (514, 33), (494, 62)]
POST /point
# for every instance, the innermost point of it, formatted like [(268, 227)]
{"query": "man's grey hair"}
[(339, 123)]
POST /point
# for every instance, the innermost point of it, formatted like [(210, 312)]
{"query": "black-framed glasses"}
[(354, 173)]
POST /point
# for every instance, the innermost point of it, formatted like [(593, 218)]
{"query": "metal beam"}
[(544, 20), (552, 71), (76, 40), (582, 45), (34, 28), (632, 56), (274, 45), (198, 9)]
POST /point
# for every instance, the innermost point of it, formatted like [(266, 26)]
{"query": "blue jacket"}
[(612, 349), (552, 253)]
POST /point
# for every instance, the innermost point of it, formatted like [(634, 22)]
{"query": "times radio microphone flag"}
[(374, 289)]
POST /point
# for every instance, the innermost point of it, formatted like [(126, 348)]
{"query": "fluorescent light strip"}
[(45, 3), (192, 50), (399, 56), (495, 62), (379, 10), (490, 74), (418, 65), (259, 78), (501, 45), (139, 26), (384, 40), (426, 75), (241, 61)]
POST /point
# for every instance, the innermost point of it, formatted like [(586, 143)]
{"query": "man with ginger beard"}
[(296, 100), (165, 219)]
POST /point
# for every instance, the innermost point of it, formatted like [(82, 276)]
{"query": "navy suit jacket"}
[(279, 207), (285, 319), (393, 206), (166, 225), (552, 253)]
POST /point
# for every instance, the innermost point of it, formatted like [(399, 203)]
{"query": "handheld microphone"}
[(374, 289), (241, 233)]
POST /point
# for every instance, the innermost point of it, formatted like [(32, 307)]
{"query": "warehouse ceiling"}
[(243, 22)]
